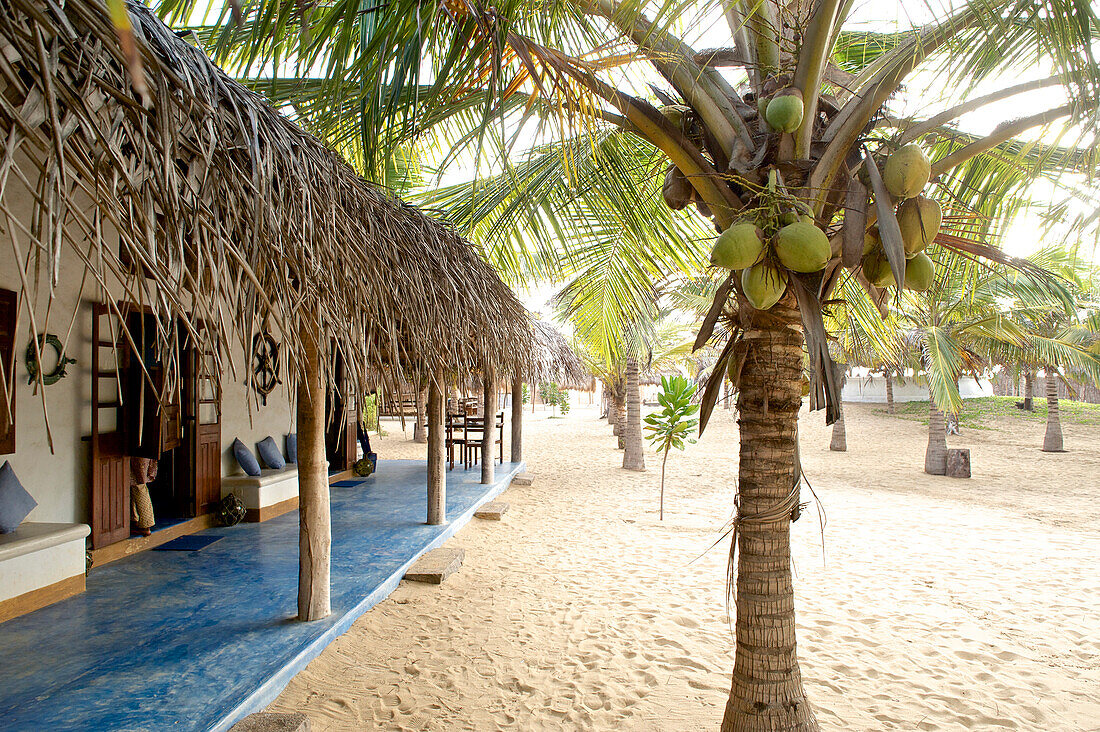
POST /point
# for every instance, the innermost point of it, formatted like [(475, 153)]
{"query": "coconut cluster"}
[(677, 189), (795, 244), (906, 175)]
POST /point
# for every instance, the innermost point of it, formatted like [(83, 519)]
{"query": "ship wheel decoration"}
[(265, 365), (61, 362)]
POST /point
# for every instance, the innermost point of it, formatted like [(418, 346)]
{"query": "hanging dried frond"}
[(228, 213)]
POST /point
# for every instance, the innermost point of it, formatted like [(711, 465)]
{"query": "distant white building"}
[(865, 388)]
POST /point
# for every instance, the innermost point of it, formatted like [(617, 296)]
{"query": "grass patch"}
[(978, 413)]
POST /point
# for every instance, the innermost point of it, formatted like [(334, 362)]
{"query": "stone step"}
[(272, 722), (437, 565), (523, 479), (492, 511)]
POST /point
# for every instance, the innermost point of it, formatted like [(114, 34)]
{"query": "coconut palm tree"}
[(567, 65), (1061, 337), (961, 325)]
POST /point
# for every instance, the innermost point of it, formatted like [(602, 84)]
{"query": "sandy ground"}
[(936, 604)]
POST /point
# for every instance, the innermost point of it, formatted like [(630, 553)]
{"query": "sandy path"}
[(942, 604)]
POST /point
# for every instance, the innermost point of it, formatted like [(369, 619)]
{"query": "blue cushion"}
[(15, 502), (292, 448), (269, 453), (245, 458)]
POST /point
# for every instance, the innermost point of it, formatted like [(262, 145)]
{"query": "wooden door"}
[(7, 371), (110, 466), (203, 418)]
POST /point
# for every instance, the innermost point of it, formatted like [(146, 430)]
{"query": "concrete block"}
[(523, 479), (492, 511), (958, 463), (436, 565), (272, 722)]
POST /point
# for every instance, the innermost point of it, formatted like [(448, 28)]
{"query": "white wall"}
[(60, 479), (873, 389), (244, 417)]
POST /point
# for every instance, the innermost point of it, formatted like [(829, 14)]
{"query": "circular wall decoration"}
[(46, 340), (265, 365)]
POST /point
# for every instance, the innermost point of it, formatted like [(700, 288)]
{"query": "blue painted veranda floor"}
[(196, 640)]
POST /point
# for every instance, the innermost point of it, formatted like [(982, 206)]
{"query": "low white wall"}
[(873, 389), (38, 555)]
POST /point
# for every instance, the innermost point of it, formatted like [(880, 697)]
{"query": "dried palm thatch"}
[(553, 359), (231, 213)]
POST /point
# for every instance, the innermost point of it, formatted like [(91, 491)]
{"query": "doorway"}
[(156, 395)]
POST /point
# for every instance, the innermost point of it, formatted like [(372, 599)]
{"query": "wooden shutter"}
[(110, 466), (7, 353), (203, 416)]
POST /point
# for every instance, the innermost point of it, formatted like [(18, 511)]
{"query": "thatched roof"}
[(553, 359), (235, 212)]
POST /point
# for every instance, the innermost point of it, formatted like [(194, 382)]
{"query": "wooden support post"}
[(437, 475), (517, 420), (488, 434), (314, 521)]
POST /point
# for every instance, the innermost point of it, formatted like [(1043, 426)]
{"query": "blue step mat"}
[(189, 543)]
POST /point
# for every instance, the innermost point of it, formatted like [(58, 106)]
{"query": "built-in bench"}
[(40, 564), (271, 493)]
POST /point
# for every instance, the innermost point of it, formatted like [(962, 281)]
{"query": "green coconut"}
[(802, 247), (876, 268), (871, 240), (906, 171), (919, 219), (738, 247), (919, 271), (762, 106), (674, 113), (785, 110), (763, 285)]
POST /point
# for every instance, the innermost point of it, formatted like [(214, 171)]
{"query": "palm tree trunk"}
[(935, 456), (420, 428), (1052, 442), (618, 414), (839, 442), (633, 455), (1029, 390), (620, 421), (314, 521), (889, 393), (767, 692)]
